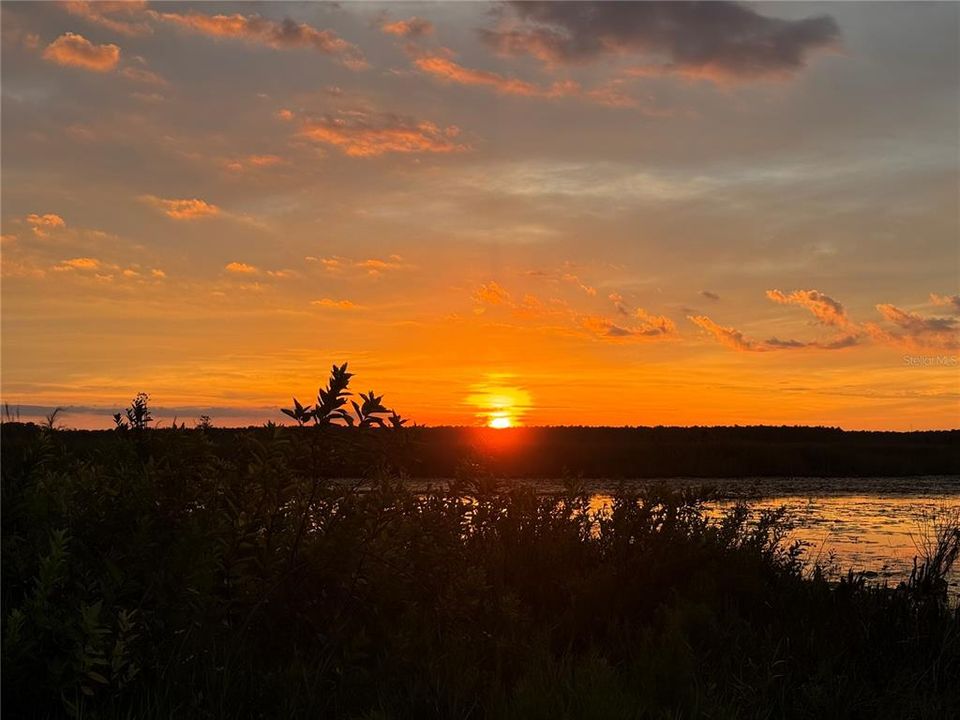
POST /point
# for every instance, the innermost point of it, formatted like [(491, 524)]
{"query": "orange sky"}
[(523, 214)]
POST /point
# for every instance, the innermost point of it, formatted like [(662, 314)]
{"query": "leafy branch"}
[(331, 405)]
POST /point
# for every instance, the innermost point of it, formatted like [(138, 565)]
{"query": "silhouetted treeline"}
[(615, 453)]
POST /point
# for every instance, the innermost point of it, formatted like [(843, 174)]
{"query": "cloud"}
[(722, 41), (636, 325), (825, 309), (574, 280), (413, 27), (361, 134), (281, 274), (731, 337), (951, 302), (618, 303), (281, 35), (43, 224), (442, 67), (80, 263), (183, 209), (144, 76), (335, 304), (643, 326), (374, 267), (909, 329), (254, 162), (74, 50), (914, 330), (709, 295), (492, 293), (331, 264), (239, 268), (121, 17)]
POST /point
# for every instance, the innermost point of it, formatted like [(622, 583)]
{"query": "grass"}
[(222, 574)]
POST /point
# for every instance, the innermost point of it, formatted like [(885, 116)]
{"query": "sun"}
[(499, 404)]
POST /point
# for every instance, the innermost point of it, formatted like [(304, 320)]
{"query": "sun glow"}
[(499, 405)]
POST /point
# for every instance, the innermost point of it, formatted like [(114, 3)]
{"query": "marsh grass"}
[(211, 573)]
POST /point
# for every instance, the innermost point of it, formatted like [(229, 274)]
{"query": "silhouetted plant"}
[(369, 409), (10, 413), (330, 401), (205, 423), (138, 415), (298, 412), (50, 419)]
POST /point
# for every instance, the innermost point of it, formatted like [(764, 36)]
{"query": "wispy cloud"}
[(43, 224), (913, 330), (361, 134), (80, 263), (492, 293), (144, 76), (331, 304), (282, 35), (126, 17), (441, 66), (413, 27), (951, 302), (254, 162), (641, 325), (241, 268), (372, 267), (903, 327), (823, 307), (183, 209), (576, 281)]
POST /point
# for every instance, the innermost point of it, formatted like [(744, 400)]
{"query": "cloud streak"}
[(284, 34), (909, 329), (641, 326), (332, 304), (366, 135), (413, 27), (183, 209), (124, 17), (441, 66), (824, 308), (913, 330)]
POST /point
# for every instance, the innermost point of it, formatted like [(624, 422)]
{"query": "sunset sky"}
[(550, 213)]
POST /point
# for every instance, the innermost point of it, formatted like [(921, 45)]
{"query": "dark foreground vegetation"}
[(173, 573), (166, 575)]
